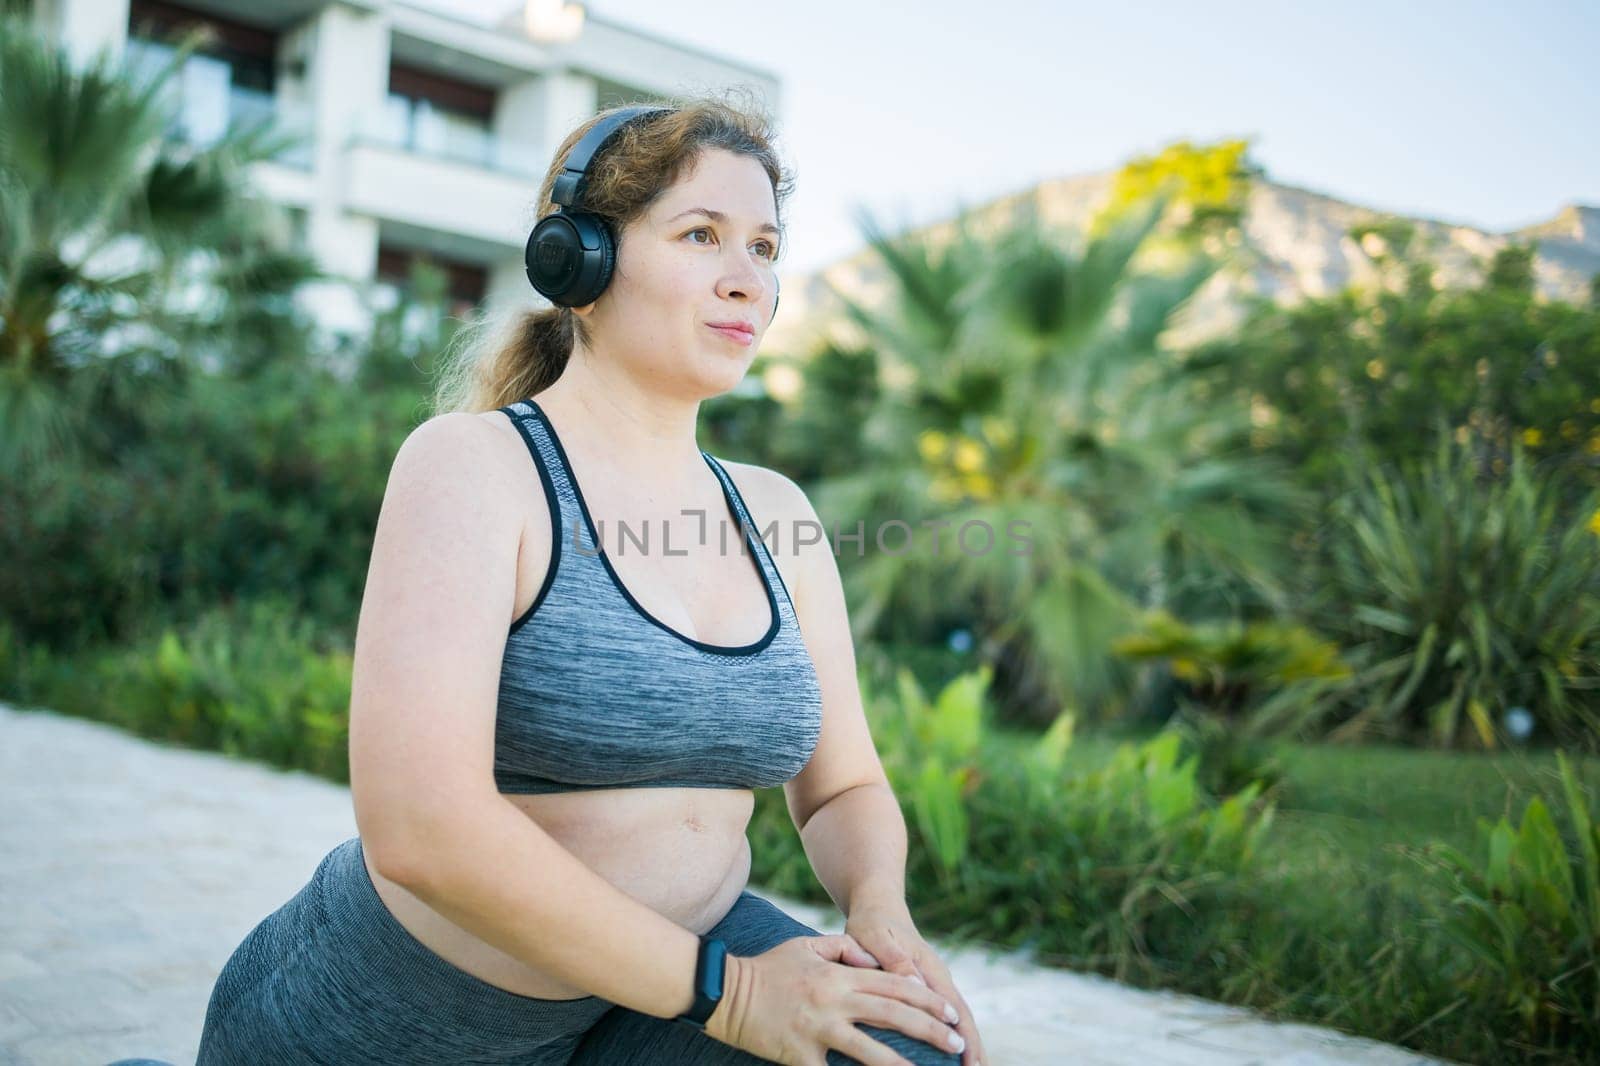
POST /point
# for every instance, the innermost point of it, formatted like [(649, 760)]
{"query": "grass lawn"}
[(1343, 807)]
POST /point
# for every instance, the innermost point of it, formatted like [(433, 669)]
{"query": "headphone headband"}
[(568, 184)]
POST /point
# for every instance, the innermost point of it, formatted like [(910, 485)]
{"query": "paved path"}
[(131, 870)]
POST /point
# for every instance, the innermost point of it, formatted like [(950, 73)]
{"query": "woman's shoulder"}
[(784, 519), (769, 494), (469, 451)]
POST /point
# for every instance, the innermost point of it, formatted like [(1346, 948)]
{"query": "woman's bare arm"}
[(434, 618)]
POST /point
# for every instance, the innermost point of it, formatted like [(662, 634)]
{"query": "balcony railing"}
[(414, 126), (206, 102), (252, 106)]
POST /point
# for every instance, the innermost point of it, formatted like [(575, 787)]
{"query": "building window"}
[(439, 116), (228, 81), (466, 284), (251, 49)]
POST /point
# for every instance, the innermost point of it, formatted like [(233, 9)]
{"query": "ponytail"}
[(541, 346), (526, 357)]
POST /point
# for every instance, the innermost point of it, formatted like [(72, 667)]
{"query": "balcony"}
[(209, 95), (424, 128), (446, 188)]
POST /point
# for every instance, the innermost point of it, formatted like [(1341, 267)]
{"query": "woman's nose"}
[(749, 282)]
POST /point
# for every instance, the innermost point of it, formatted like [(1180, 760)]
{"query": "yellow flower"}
[(1186, 668), (1594, 523), (978, 486), (1531, 437), (931, 443), (968, 455)]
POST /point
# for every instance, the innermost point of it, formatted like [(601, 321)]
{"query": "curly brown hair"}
[(637, 164)]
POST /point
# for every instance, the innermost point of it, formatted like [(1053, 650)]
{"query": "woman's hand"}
[(793, 1003), (885, 929)]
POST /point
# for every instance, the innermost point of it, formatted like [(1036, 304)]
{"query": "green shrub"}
[(1230, 759), (1084, 865), (1526, 909), (1128, 848), (1225, 663), (249, 681), (25, 667), (1458, 600), (1240, 683), (222, 491), (1359, 373)]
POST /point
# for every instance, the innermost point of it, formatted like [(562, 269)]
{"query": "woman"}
[(553, 740)]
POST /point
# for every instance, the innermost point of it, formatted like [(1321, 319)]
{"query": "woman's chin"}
[(729, 366), (723, 375)]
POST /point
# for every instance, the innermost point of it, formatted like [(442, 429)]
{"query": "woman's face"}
[(680, 269)]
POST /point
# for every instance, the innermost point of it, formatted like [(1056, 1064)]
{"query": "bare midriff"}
[(682, 852)]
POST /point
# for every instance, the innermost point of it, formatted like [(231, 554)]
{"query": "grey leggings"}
[(332, 977)]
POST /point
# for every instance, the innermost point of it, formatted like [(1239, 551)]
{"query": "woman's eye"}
[(770, 253)]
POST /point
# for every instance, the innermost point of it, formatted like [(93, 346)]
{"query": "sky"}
[(1473, 112)]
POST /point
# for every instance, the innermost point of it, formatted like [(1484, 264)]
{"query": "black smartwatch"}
[(708, 974)]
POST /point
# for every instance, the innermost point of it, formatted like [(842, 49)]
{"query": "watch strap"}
[(709, 971)]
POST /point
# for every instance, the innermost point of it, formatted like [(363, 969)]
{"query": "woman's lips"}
[(738, 336)]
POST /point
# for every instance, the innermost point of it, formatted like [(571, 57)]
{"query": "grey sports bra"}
[(595, 692)]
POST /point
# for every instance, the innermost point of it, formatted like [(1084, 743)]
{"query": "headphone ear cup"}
[(608, 259), (544, 256), (599, 258), (569, 257)]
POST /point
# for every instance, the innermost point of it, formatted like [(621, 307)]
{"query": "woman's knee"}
[(755, 925), (752, 926), (913, 1050)]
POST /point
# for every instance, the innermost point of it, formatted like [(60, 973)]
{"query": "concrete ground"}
[(132, 870)]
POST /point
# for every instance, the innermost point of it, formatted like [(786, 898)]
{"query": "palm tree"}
[(1022, 382), (116, 240)]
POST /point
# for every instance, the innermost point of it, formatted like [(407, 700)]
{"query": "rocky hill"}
[(1296, 244)]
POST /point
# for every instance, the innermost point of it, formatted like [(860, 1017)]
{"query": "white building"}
[(422, 134)]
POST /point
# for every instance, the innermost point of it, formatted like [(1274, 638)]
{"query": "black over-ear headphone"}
[(571, 252)]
